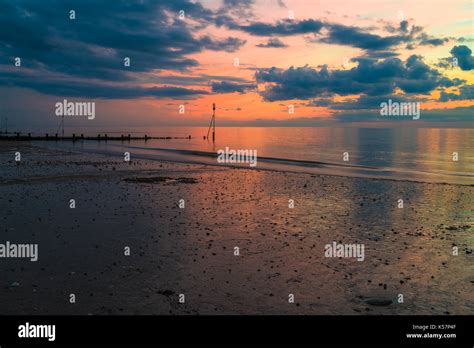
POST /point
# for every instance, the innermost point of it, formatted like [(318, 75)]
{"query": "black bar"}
[(243, 329)]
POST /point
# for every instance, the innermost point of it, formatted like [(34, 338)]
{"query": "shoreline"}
[(190, 250), (325, 168)]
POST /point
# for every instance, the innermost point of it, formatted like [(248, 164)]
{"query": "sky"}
[(263, 62)]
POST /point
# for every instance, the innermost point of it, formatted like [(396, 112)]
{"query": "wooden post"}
[(56, 136), (17, 136), (146, 137), (105, 137), (98, 137), (46, 136), (129, 137), (212, 124), (122, 137), (82, 136), (29, 136), (73, 137)]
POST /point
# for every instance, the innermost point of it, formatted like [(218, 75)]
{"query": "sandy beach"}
[(190, 250)]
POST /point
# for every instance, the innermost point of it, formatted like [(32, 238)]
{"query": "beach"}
[(190, 250)]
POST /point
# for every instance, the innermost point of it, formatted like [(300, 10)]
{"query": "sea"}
[(438, 155)]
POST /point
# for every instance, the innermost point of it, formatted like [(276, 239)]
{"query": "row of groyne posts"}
[(26, 137), (74, 137)]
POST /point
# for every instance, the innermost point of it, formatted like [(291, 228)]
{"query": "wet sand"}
[(190, 251)]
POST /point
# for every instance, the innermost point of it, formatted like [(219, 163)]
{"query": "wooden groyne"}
[(79, 137)]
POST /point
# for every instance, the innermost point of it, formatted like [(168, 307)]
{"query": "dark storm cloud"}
[(230, 87), (94, 45), (370, 77), (272, 43)]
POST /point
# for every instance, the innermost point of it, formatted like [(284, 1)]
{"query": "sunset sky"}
[(335, 61)]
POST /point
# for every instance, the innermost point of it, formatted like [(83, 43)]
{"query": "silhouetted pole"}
[(212, 124)]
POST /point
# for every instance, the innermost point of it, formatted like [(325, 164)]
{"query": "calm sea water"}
[(424, 154)]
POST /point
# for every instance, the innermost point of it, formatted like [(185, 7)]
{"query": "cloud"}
[(426, 40), (84, 57), (337, 34), (357, 37), (464, 57), (227, 4), (404, 26), (285, 27), (273, 43), (92, 89), (230, 44), (370, 77), (94, 45), (230, 87), (237, 8), (465, 93), (381, 54)]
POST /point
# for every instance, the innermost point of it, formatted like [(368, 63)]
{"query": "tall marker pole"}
[(212, 124)]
